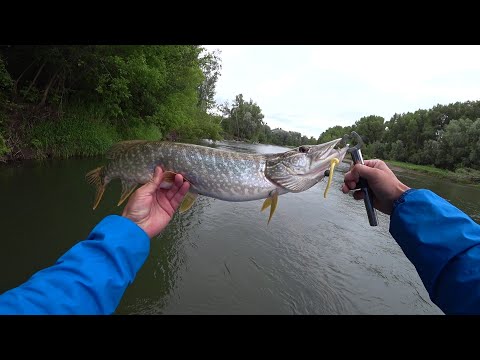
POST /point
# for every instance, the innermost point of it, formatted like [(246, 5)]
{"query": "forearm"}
[(90, 278), (443, 243)]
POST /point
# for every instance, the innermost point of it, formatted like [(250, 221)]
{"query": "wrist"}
[(400, 189), (401, 199), (140, 223)]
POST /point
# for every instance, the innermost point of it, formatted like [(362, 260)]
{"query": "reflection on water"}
[(317, 256)]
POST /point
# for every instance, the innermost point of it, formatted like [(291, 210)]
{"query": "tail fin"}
[(95, 178)]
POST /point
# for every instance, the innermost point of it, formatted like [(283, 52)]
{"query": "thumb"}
[(152, 186)]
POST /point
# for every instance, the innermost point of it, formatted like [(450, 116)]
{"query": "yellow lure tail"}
[(333, 163)]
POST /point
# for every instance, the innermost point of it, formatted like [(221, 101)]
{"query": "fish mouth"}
[(321, 161), (322, 151)]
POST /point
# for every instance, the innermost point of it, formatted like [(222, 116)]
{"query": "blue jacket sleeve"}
[(90, 278), (443, 243)]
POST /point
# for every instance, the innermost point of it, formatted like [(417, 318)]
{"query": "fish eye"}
[(302, 149)]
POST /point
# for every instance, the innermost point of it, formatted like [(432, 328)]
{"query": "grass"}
[(81, 132), (85, 130), (72, 136), (462, 175), (422, 168)]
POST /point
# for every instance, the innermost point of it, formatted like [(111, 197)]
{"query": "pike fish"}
[(216, 173)]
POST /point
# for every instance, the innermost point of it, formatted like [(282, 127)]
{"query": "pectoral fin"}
[(188, 201), (271, 201), (333, 163), (128, 187), (169, 179)]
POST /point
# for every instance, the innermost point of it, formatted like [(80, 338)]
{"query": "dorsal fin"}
[(121, 147)]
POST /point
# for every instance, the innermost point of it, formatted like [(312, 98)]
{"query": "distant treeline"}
[(446, 136), (243, 120)]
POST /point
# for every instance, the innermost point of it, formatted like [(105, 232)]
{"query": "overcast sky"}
[(311, 88)]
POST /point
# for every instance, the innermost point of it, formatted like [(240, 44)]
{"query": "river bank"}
[(462, 176)]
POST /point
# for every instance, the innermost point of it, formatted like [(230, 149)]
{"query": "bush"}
[(4, 150), (398, 151), (376, 150), (83, 131), (141, 130), (5, 79)]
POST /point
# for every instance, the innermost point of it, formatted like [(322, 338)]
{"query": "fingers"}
[(377, 164), (373, 162), (350, 185), (360, 170), (179, 195), (358, 195), (364, 171), (178, 182), (151, 186), (351, 178)]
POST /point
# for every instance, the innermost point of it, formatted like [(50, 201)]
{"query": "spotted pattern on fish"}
[(224, 174)]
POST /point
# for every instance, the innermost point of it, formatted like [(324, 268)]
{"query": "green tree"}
[(376, 149), (474, 142), (371, 128), (455, 153), (210, 63), (333, 133), (243, 120), (398, 151), (430, 154)]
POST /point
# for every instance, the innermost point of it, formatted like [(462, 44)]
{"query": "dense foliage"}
[(78, 100), (446, 136)]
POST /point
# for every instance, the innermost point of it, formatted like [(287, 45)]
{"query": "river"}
[(317, 255)]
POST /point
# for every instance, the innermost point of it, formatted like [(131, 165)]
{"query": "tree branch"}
[(47, 89), (36, 76), (15, 85)]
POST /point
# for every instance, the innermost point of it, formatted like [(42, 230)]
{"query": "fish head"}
[(301, 168)]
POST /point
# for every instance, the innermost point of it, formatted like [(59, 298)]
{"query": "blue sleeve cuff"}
[(116, 223), (401, 199)]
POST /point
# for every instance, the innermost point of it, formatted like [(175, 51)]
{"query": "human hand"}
[(384, 184), (151, 207)]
